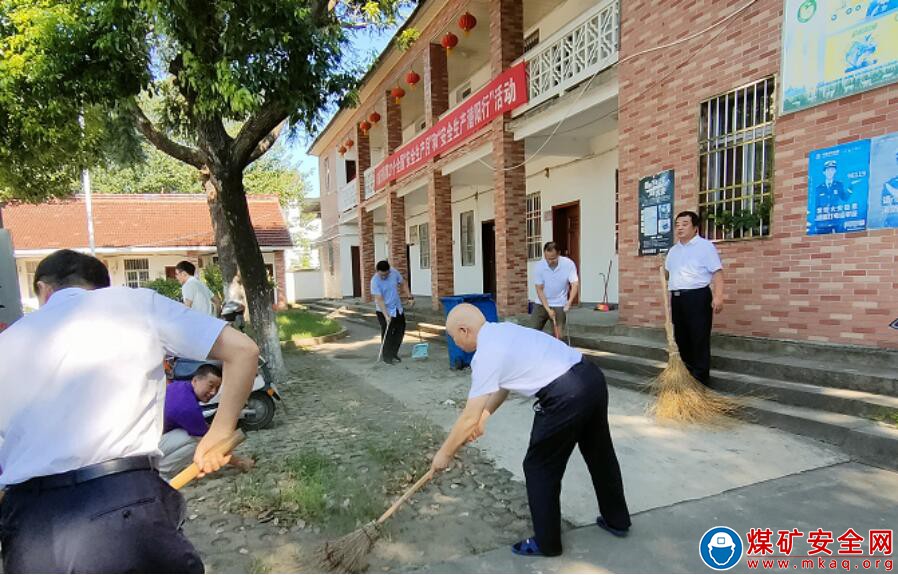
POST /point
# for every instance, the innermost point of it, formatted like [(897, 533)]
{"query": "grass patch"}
[(307, 486), (889, 417), (304, 324)]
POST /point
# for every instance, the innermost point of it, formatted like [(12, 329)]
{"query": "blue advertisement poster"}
[(883, 206), (838, 185)]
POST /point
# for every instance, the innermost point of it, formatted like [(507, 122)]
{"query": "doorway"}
[(566, 234), (488, 247), (356, 271)]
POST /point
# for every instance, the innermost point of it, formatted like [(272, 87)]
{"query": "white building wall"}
[(416, 214), (345, 260), (305, 285), (469, 279)]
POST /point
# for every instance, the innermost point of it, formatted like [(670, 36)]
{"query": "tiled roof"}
[(124, 221)]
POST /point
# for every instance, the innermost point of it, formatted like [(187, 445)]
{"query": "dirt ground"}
[(335, 458)]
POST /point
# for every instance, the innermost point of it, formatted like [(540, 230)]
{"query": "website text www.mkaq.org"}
[(793, 563), (823, 551)]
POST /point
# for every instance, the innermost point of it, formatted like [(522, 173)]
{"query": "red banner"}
[(505, 93)]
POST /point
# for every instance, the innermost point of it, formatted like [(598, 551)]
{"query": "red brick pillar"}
[(439, 189), (506, 45), (366, 218), (280, 272), (395, 206)]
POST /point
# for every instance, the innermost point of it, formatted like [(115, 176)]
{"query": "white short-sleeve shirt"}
[(556, 282), (519, 359), (692, 265), (199, 295), (81, 379)]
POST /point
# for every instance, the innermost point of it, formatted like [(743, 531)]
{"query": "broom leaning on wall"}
[(681, 397)]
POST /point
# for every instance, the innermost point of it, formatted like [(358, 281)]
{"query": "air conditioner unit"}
[(413, 235)]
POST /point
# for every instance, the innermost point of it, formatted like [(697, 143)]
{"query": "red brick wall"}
[(838, 288)]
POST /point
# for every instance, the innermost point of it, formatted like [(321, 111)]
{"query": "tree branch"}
[(267, 142), (166, 145), (255, 134)]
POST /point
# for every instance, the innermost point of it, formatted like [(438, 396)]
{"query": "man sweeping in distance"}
[(571, 409)]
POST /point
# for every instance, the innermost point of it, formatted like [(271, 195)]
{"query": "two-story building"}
[(495, 132)]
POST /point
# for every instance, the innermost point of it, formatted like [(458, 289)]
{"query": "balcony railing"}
[(369, 182), (348, 196), (584, 47)]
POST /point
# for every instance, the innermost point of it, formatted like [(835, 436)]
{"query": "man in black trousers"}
[(695, 282), (571, 410), (386, 286)]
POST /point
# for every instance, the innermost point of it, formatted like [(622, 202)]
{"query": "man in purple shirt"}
[(184, 424)]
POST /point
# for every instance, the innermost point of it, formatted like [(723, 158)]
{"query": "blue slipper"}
[(527, 547), (600, 521)]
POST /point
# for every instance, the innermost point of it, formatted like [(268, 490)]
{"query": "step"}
[(871, 380), (868, 441), (428, 332), (835, 400)]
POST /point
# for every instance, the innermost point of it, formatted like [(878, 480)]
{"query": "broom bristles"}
[(348, 554), (684, 399)]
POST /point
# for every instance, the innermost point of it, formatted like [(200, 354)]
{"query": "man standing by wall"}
[(195, 294), (696, 294), (385, 287), (557, 285)]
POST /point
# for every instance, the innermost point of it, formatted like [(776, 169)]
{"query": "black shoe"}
[(389, 360), (396, 359), (600, 521)]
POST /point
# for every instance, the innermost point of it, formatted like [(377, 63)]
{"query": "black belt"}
[(544, 391), (679, 292), (85, 474)]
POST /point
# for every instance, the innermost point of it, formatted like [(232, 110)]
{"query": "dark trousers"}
[(692, 318), (123, 523), (394, 336), (572, 410)]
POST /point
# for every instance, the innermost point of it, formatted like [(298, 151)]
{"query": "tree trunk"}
[(259, 292), (227, 259)]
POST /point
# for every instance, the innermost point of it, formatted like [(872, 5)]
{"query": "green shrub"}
[(169, 287)]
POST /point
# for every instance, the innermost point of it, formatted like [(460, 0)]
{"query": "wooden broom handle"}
[(668, 324), (405, 496), (223, 447)]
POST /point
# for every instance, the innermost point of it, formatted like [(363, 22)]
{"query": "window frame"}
[(424, 241), (735, 201), (140, 272), (467, 241), (533, 223)]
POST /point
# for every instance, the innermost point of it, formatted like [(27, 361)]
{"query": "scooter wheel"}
[(262, 406)]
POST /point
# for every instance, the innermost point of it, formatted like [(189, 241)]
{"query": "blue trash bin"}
[(459, 359)]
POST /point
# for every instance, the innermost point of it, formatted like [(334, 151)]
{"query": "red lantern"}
[(398, 93), (412, 79), (342, 150), (467, 22), (364, 126), (374, 118), (449, 41), (348, 143)]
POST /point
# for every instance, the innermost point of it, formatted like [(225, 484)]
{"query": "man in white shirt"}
[(557, 285), (82, 390), (194, 293), (571, 409), (695, 281)]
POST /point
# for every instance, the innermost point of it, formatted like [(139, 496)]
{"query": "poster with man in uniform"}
[(837, 188), (883, 205)]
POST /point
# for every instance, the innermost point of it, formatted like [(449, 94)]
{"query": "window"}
[(534, 227), (30, 268), (467, 238), (327, 174), (171, 271), (137, 272), (424, 246), (350, 170), (462, 92), (330, 257), (736, 162)]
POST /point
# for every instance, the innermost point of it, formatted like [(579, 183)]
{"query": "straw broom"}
[(349, 554), (681, 397)]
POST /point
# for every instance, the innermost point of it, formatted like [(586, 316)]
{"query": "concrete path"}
[(662, 465)]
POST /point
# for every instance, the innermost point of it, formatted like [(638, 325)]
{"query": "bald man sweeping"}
[(571, 409)]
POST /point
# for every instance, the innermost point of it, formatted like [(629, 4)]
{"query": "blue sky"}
[(366, 45)]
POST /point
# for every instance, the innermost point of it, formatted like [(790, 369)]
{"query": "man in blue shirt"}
[(385, 287)]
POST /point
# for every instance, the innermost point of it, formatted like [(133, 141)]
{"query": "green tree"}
[(211, 83)]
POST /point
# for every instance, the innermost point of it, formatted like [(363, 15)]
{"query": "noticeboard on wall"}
[(836, 48), (656, 196)]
